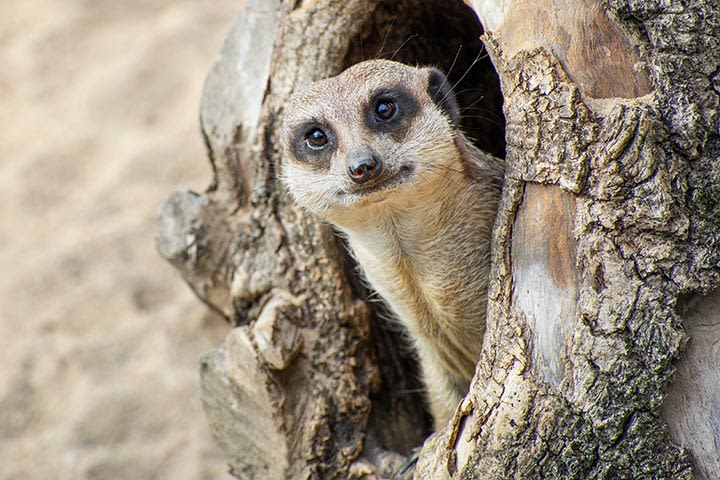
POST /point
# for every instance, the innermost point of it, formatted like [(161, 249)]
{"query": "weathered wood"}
[(289, 395), (574, 387), (545, 277), (606, 242), (594, 52)]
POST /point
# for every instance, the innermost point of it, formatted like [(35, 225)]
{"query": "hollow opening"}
[(445, 35)]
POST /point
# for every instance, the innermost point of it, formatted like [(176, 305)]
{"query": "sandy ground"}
[(99, 337)]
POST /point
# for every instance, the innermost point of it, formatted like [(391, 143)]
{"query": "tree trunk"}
[(600, 358)]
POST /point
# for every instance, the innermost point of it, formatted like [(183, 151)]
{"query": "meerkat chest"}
[(411, 280)]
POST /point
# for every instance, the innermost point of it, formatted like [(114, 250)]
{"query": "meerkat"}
[(378, 152)]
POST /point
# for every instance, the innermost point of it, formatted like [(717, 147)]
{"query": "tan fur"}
[(423, 244)]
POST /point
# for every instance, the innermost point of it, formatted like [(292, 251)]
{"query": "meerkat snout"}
[(364, 167)]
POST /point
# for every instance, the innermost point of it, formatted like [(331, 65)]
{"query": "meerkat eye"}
[(316, 138), (385, 109)]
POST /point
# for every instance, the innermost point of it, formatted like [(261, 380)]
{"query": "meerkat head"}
[(380, 133)]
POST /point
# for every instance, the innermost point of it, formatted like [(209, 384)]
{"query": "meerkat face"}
[(380, 133)]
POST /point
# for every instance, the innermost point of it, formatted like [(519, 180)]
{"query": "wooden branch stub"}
[(193, 235), (244, 409)]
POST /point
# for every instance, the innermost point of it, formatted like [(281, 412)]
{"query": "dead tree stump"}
[(601, 355)]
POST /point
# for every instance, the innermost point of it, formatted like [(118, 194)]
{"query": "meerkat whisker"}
[(387, 32), (472, 105), (482, 117), (445, 79), (397, 50), (474, 62)]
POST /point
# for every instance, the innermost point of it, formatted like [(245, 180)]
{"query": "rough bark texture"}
[(606, 244), (598, 237)]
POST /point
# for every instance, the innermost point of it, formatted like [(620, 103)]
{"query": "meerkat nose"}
[(365, 169)]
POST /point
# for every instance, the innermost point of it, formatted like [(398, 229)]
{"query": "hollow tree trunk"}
[(601, 355)]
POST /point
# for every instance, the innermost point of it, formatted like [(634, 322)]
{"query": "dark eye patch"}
[(313, 143), (391, 111)]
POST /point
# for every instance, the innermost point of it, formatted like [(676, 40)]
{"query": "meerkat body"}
[(377, 152)]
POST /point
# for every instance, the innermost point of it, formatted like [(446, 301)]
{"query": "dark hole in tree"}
[(445, 35)]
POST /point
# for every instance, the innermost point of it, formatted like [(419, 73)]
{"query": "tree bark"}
[(600, 358)]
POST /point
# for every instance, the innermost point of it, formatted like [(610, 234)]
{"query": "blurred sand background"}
[(99, 337)]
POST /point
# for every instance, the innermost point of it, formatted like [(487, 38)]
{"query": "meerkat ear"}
[(440, 90)]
